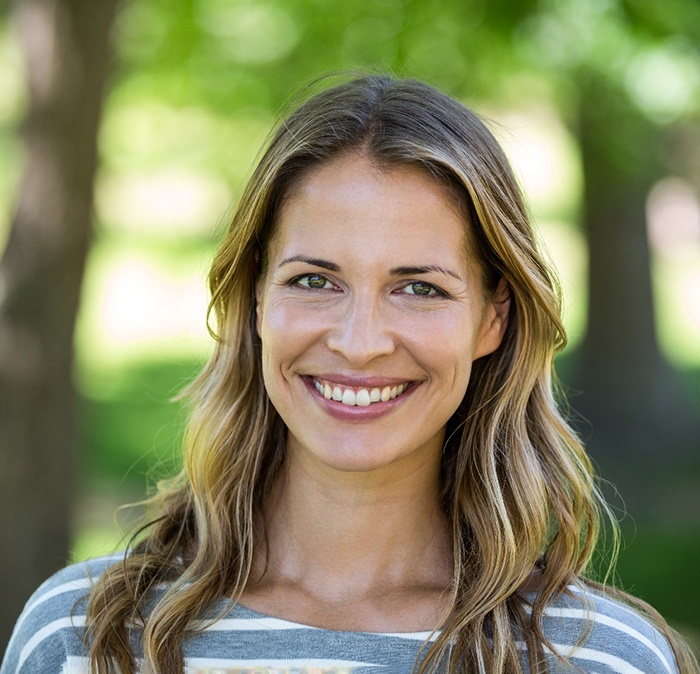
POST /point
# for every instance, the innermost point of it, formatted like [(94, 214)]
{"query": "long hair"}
[(517, 486)]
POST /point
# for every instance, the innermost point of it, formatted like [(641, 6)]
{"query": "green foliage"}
[(234, 55), (132, 428), (659, 19), (660, 566)]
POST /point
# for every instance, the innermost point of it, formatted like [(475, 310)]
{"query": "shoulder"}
[(598, 632), (49, 631)]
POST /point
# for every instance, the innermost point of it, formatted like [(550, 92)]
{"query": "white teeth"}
[(362, 397)]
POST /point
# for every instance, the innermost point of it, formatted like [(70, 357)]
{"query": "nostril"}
[(361, 345)]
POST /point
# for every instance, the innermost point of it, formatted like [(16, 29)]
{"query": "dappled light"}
[(142, 134), (248, 32), (673, 219), (170, 204), (545, 158), (139, 308), (596, 103), (664, 79)]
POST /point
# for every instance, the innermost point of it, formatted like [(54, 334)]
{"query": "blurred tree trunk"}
[(67, 51), (631, 396)]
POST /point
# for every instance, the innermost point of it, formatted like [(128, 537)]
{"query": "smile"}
[(358, 397)]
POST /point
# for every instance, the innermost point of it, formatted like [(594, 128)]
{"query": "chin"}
[(357, 454), (354, 462)]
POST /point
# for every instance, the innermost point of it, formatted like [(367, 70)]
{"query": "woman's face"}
[(370, 315)]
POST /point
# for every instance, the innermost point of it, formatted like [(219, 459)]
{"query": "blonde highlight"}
[(518, 487)]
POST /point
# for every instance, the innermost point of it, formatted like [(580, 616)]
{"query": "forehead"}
[(393, 211)]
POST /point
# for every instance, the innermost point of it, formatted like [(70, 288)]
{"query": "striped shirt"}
[(48, 638)]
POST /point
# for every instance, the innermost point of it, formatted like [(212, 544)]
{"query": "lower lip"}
[(354, 412)]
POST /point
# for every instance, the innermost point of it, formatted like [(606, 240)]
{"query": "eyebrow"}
[(423, 269), (315, 261), (396, 271)]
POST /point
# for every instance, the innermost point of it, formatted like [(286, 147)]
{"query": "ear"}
[(495, 321)]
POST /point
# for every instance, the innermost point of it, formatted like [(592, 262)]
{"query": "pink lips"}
[(355, 413)]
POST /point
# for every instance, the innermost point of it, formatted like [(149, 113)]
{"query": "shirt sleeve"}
[(49, 634), (597, 633)]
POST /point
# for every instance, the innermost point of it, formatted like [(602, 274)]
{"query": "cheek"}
[(447, 341), (286, 331), (283, 318)]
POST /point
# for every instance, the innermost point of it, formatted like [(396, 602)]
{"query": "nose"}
[(362, 332)]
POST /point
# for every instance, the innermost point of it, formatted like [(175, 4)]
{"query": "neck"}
[(347, 533)]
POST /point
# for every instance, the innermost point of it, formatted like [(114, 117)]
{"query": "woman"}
[(376, 472)]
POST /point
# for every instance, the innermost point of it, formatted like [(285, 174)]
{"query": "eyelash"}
[(434, 290), (297, 281)]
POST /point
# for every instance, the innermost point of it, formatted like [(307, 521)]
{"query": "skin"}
[(370, 282)]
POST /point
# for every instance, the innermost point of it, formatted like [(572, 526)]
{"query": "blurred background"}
[(127, 130)]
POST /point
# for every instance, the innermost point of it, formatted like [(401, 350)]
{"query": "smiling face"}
[(370, 314)]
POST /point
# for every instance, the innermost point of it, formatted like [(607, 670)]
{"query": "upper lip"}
[(356, 381)]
